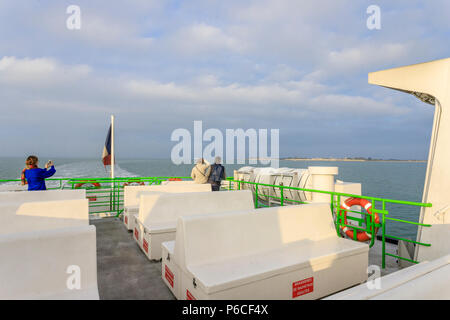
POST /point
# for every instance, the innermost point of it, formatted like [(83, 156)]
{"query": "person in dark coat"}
[(217, 174)]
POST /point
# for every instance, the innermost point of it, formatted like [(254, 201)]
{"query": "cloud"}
[(105, 33), (203, 38), (261, 99), (300, 66), (354, 58), (39, 72), (82, 96)]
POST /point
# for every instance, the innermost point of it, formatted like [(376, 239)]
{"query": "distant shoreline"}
[(349, 160)]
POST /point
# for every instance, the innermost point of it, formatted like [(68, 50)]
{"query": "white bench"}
[(288, 252), (158, 213), (48, 264), (425, 281), (132, 194), (35, 196), (44, 215), (39, 241)]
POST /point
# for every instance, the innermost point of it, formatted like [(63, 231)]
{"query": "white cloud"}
[(101, 32), (89, 90), (356, 105), (264, 99), (206, 80), (39, 71), (203, 38)]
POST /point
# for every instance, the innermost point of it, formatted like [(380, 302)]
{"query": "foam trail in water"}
[(89, 169)]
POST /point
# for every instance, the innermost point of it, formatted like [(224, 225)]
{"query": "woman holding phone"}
[(34, 176)]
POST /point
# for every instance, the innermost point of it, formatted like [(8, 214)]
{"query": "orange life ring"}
[(175, 179), (95, 184), (361, 236), (133, 182)]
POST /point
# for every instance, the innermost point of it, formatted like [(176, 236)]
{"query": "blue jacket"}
[(36, 178)]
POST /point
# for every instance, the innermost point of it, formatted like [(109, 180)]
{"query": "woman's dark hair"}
[(31, 161)]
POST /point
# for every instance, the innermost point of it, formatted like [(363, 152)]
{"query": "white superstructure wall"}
[(430, 82)]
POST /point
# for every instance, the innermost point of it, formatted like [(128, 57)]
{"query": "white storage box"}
[(129, 214), (137, 231), (170, 272)]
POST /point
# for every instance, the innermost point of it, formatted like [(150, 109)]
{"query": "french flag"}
[(106, 157)]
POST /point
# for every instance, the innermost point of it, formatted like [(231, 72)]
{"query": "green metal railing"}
[(378, 206), (106, 194), (106, 197), (60, 182)]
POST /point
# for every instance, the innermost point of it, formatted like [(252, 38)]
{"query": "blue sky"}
[(297, 66)]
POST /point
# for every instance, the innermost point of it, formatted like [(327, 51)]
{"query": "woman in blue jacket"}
[(34, 176)]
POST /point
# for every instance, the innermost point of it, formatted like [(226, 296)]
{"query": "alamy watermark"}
[(190, 146), (374, 279), (74, 280), (73, 22), (374, 20)]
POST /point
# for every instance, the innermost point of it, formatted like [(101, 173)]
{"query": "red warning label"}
[(169, 275), (145, 245), (189, 296), (136, 233), (302, 287)]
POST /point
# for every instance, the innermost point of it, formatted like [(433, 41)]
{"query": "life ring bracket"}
[(354, 232)]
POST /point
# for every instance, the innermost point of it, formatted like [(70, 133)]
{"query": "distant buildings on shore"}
[(346, 159)]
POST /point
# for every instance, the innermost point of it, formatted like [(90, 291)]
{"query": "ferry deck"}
[(269, 234)]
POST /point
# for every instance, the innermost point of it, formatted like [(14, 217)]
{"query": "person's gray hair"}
[(218, 160)]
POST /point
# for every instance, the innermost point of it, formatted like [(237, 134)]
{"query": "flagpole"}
[(113, 160), (112, 147)]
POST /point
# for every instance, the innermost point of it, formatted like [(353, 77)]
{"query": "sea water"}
[(392, 180)]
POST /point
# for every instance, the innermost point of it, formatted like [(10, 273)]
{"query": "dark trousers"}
[(215, 186)]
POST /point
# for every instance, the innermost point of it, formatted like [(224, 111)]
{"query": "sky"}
[(159, 65)]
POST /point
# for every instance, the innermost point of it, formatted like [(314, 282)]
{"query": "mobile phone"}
[(49, 163)]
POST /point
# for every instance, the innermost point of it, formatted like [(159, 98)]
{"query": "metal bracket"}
[(194, 283), (441, 212)]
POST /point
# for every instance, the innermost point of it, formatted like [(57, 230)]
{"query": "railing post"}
[(383, 237), (332, 206), (338, 215), (256, 196), (112, 185), (372, 224), (110, 197), (282, 195), (118, 198), (115, 194)]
